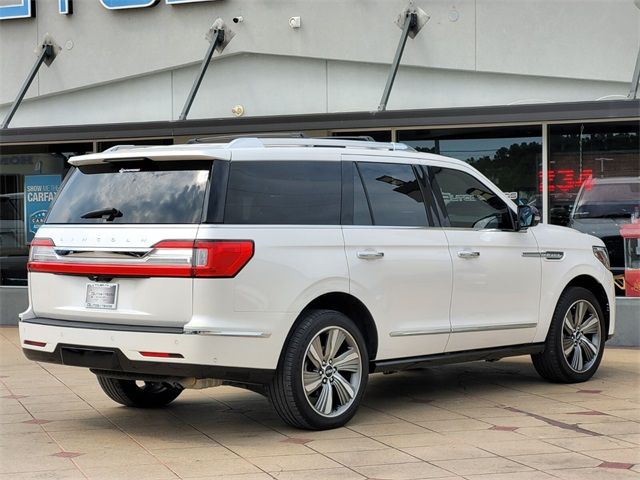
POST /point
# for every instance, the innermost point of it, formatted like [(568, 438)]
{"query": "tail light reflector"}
[(33, 343), (168, 258), (161, 355)]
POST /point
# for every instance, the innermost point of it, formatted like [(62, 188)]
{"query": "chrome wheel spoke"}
[(349, 361), (325, 400), (581, 308), (576, 361), (569, 322), (335, 338), (312, 380), (589, 348), (343, 388), (567, 346), (590, 325), (315, 352)]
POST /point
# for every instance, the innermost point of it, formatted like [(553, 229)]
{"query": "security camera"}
[(238, 19)]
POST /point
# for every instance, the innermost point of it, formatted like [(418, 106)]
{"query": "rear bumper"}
[(225, 358)]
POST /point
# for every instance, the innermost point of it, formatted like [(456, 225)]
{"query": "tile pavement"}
[(480, 421)]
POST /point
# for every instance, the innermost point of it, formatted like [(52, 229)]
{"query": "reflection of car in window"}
[(602, 206)]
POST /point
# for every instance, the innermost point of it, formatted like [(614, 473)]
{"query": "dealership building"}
[(539, 95)]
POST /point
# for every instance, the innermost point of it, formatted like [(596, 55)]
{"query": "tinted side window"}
[(284, 193), (468, 203), (394, 194), (361, 212)]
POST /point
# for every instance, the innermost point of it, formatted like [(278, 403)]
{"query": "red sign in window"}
[(566, 180)]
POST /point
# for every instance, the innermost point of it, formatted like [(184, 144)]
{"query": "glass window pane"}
[(284, 193), (18, 165), (511, 157), (594, 180), (470, 204), (394, 194)]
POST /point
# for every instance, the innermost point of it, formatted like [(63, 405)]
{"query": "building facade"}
[(533, 93)]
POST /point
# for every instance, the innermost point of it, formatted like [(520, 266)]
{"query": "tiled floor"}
[(474, 421)]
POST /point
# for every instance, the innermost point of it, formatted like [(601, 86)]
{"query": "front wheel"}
[(138, 394), (323, 373), (575, 343)]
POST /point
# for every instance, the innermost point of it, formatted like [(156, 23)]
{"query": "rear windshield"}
[(133, 192)]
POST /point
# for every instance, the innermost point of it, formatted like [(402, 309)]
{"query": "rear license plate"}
[(102, 295)]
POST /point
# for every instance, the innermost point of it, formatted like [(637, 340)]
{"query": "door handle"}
[(468, 254), (370, 254)]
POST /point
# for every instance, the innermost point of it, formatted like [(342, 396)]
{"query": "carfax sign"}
[(39, 191)]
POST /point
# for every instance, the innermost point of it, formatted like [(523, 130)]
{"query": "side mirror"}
[(528, 216)]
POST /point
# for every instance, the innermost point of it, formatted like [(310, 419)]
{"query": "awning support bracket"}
[(47, 52), (218, 37), (411, 21)]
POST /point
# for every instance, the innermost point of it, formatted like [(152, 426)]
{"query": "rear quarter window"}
[(284, 193)]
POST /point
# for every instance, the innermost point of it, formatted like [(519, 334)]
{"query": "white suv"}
[(297, 267)]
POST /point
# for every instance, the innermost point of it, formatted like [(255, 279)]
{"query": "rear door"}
[(118, 244), (398, 260)]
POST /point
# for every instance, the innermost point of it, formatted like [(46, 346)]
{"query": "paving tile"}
[(554, 461), (446, 452), (325, 474), (529, 446), (413, 440), (455, 425), (620, 455), (533, 475), (373, 457), (596, 474), (583, 444), (67, 474), (402, 428), (281, 463), (492, 465), (402, 471), (351, 445), (137, 472)]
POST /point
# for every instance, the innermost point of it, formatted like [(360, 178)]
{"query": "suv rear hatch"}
[(118, 245)]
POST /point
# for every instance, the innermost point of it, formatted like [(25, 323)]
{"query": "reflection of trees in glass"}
[(596, 142), (512, 169)]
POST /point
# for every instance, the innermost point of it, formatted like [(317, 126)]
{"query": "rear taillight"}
[(169, 258)]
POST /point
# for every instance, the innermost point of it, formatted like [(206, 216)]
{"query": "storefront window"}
[(511, 157), (39, 168), (594, 180), (376, 135)]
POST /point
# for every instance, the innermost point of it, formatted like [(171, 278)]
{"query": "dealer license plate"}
[(102, 295)]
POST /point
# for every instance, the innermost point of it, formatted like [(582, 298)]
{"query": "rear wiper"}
[(110, 213)]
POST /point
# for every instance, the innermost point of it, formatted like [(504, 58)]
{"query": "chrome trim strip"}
[(228, 333), (496, 326), (549, 255), (410, 333)]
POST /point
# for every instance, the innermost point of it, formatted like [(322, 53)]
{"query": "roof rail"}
[(230, 138), (254, 142)]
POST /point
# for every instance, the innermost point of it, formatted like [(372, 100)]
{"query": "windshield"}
[(133, 192), (608, 200)]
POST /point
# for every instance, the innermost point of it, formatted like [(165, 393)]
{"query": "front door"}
[(496, 289)]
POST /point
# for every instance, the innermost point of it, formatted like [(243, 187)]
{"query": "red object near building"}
[(631, 235)]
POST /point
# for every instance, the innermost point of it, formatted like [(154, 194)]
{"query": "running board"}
[(488, 354)]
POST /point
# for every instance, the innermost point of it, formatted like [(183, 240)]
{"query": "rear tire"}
[(575, 342), (322, 374), (130, 394)]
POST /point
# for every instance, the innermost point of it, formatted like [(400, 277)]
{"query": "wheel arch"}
[(594, 286), (350, 306)]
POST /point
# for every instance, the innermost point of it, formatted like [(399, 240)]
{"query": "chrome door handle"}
[(468, 254), (370, 254)]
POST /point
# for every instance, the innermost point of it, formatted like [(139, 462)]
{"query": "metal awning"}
[(433, 117)]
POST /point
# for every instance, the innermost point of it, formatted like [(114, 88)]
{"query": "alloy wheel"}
[(332, 371), (581, 336)]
